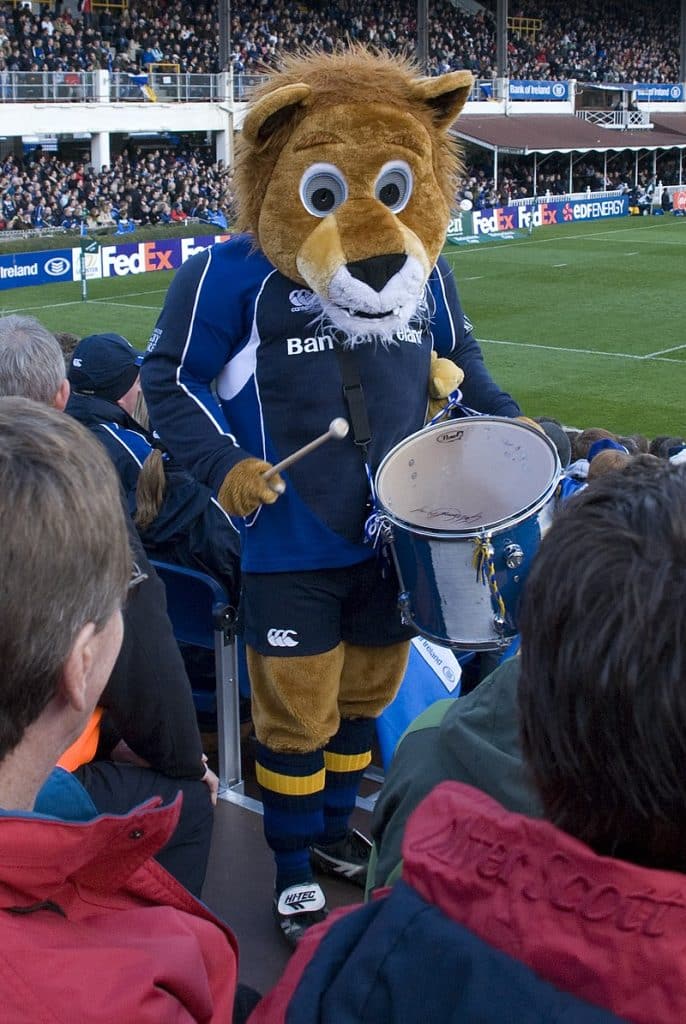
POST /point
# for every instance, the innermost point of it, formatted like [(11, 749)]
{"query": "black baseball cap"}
[(105, 365)]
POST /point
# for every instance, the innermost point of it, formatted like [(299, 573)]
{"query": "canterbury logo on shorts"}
[(282, 638)]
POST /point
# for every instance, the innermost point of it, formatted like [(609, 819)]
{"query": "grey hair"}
[(31, 360)]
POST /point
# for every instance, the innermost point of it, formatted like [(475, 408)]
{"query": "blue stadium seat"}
[(202, 616)]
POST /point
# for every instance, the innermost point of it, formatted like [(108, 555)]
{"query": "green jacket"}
[(474, 739)]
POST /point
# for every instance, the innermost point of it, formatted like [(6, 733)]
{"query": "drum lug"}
[(514, 556), (404, 606)]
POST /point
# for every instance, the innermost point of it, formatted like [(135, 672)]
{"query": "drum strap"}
[(362, 435), (354, 398)]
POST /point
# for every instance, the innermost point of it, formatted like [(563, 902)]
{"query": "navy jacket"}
[(400, 960), (191, 528)]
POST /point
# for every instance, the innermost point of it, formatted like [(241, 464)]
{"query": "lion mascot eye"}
[(322, 189), (394, 185)]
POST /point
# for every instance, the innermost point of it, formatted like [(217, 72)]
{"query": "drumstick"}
[(338, 429)]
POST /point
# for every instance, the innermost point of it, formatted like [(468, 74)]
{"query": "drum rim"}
[(498, 525)]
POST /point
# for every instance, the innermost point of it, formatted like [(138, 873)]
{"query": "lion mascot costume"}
[(332, 302)]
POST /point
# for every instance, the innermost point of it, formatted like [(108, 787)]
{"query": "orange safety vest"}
[(83, 749)]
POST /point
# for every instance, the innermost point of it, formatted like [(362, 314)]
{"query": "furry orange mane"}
[(354, 75)]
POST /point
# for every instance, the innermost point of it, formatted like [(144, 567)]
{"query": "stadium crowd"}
[(171, 185), (140, 189), (589, 41)]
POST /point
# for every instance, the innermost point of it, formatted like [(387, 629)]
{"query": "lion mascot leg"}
[(314, 717)]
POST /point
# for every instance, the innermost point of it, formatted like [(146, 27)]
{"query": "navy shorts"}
[(291, 614)]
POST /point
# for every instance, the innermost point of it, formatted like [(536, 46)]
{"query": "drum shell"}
[(451, 493), (445, 599)]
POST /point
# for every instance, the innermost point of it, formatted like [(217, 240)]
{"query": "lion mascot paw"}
[(244, 488), (445, 376)]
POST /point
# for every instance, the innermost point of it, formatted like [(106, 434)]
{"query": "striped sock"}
[(293, 798), (346, 757)]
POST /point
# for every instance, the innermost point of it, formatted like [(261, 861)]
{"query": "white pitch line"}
[(560, 264), (664, 351), (122, 305), (80, 302), (619, 234), (52, 305), (588, 351), (631, 253)]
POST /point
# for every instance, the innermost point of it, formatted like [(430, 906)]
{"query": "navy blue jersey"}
[(239, 365)]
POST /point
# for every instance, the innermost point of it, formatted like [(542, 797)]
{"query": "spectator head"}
[(634, 443), (602, 691), (585, 438), (608, 460), (31, 362), (558, 436), (664, 445), (64, 564), (67, 342), (108, 367)]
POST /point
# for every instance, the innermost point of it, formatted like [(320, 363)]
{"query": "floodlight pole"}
[(224, 34), (501, 39), (423, 35)]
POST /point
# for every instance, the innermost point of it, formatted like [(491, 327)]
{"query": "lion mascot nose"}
[(377, 271)]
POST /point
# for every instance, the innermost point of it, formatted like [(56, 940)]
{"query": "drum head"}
[(468, 475)]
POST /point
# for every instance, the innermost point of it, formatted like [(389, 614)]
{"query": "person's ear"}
[(62, 396), (77, 669)]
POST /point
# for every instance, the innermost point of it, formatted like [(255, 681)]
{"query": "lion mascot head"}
[(345, 176)]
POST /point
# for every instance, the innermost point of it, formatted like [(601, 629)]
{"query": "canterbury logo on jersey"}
[(282, 638), (301, 299), (468, 325), (296, 346)]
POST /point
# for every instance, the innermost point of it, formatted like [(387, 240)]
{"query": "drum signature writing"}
[(514, 452), (455, 515)]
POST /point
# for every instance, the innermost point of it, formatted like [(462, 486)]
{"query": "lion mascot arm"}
[(183, 360)]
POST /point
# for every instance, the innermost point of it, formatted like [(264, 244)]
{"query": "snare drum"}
[(465, 504)]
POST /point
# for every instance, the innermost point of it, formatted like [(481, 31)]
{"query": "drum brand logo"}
[(450, 435)]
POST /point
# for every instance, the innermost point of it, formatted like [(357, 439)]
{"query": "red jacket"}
[(92, 930), (610, 932)]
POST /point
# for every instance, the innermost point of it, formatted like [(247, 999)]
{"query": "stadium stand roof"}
[(544, 133)]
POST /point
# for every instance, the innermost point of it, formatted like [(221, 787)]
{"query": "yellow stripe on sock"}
[(290, 785), (346, 762)]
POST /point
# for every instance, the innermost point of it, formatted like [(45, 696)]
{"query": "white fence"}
[(567, 197)]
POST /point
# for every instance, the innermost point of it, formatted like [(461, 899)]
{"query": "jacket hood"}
[(611, 932)]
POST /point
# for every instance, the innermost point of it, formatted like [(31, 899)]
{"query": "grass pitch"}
[(585, 322)]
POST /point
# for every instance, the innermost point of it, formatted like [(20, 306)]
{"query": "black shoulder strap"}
[(354, 396)]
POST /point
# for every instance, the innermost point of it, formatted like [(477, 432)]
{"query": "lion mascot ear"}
[(269, 113), (444, 96)]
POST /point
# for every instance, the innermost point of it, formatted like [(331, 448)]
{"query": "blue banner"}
[(659, 93), (19, 269), (538, 90)]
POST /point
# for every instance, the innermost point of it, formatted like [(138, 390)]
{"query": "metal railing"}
[(620, 120), (166, 87), (47, 86)]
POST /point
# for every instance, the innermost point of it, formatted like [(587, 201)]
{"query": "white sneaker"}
[(297, 908)]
